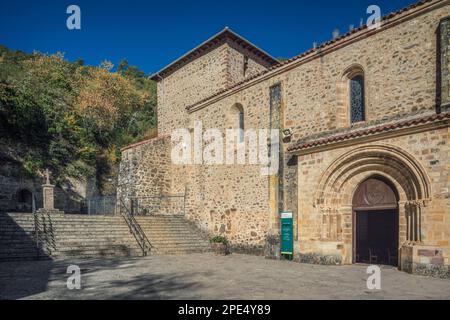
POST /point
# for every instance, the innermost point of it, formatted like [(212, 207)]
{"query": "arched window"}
[(357, 103), (25, 201), (241, 126), (238, 120), (351, 99)]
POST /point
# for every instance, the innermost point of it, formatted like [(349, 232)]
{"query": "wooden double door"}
[(375, 223)]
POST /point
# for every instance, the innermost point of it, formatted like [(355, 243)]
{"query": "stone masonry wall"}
[(399, 65), (400, 81), (236, 64), (216, 70), (145, 169), (202, 77), (320, 237)]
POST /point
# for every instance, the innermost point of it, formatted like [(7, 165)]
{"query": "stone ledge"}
[(50, 211)]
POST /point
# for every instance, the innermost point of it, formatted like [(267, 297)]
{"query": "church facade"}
[(363, 146)]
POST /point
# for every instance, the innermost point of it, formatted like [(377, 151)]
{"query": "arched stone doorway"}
[(333, 198), (25, 201), (376, 222)]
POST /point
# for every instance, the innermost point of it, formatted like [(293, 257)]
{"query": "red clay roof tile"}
[(369, 131)]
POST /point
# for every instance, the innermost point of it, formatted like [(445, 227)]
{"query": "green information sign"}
[(287, 240)]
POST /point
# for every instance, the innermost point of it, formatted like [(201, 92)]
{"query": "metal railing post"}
[(135, 228)]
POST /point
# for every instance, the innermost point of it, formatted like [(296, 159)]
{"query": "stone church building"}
[(364, 150)]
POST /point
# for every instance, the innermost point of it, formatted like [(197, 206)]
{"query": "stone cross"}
[(48, 193), (47, 176)]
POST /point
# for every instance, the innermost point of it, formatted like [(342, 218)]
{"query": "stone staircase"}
[(65, 236), (81, 236), (17, 241), (171, 235)]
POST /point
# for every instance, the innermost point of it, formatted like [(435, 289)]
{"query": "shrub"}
[(219, 239)]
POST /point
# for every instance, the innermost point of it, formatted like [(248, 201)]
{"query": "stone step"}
[(16, 218), (17, 245), (86, 219), (181, 244), (73, 246), (95, 254), (164, 242), (156, 235), (95, 246), (87, 222), (87, 230), (21, 253), (166, 228), (66, 236), (24, 251), (180, 251), (172, 235), (6, 246), (67, 225), (71, 231), (15, 226), (167, 221), (93, 250), (84, 224), (180, 248), (62, 220), (16, 234), (68, 233), (22, 257), (89, 236), (86, 242), (191, 238)]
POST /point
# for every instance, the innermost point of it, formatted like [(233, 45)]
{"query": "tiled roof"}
[(317, 50), (211, 43), (302, 145)]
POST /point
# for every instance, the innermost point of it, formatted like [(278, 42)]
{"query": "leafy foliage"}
[(70, 117), (219, 239)]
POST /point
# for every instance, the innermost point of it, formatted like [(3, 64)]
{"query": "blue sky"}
[(151, 34)]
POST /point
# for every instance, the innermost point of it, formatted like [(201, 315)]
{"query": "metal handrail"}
[(37, 236), (136, 230)]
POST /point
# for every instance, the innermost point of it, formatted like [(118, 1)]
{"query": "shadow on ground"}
[(17, 246), (18, 280), (48, 280)]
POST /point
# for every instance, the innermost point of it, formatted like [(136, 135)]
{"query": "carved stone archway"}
[(335, 192)]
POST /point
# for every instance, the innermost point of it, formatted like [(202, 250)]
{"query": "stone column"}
[(48, 196)]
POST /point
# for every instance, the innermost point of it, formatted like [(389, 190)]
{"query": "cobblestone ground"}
[(206, 276)]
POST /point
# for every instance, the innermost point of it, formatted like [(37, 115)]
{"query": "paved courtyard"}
[(205, 276)]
